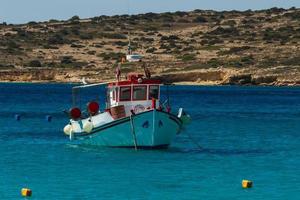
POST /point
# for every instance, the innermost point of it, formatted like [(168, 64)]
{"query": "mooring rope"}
[(194, 141), (133, 132)]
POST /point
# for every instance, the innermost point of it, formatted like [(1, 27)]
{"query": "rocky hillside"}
[(199, 47)]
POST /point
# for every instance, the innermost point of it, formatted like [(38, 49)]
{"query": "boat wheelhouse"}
[(135, 94)]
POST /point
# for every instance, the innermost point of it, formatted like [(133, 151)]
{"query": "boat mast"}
[(129, 50)]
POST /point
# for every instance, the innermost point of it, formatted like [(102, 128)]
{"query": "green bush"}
[(182, 20), (53, 21), (169, 38), (229, 31), (234, 50), (180, 13), (112, 56), (151, 50), (113, 35), (200, 19), (167, 17), (108, 29), (91, 52), (187, 57), (146, 39), (248, 60), (64, 31), (47, 46), (35, 63), (282, 34), (7, 66), (215, 41), (79, 64), (56, 39), (293, 15), (164, 46), (86, 36), (292, 61), (74, 18), (229, 23), (268, 62), (73, 45), (121, 43), (32, 23), (75, 30), (214, 62), (12, 44), (66, 60)]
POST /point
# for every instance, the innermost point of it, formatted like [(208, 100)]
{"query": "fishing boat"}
[(134, 57), (134, 116)]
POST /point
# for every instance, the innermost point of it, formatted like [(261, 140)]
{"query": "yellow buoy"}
[(247, 184), (26, 192)]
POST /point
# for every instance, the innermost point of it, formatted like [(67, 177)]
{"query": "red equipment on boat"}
[(153, 103), (93, 108), (75, 113)]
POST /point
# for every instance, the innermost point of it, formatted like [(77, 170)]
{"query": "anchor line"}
[(133, 132), (194, 141)]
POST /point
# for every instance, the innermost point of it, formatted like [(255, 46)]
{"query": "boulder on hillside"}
[(240, 79), (264, 80)]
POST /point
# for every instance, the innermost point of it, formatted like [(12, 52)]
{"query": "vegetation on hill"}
[(169, 42)]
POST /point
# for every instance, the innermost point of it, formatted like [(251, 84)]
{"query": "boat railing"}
[(76, 89)]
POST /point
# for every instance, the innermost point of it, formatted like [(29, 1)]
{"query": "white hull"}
[(150, 129)]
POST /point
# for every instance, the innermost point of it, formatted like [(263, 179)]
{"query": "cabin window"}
[(139, 92), (153, 91), (117, 93), (114, 95), (125, 94)]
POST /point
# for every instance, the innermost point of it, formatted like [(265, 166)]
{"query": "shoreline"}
[(175, 84), (203, 77)]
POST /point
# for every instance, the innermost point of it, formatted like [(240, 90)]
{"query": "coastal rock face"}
[(240, 79), (196, 77), (248, 79), (260, 80), (52, 75), (27, 75), (202, 77), (217, 77)]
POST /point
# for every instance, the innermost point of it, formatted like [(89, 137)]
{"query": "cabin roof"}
[(133, 82), (135, 78)]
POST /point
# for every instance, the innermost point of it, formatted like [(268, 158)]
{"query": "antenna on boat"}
[(118, 72)]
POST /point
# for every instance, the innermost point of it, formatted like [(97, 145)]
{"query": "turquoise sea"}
[(243, 133)]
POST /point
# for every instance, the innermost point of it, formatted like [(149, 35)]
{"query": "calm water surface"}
[(244, 133)]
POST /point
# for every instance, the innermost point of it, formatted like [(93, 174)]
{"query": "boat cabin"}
[(136, 94), (134, 58)]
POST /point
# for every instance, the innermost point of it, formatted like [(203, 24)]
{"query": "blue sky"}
[(22, 11)]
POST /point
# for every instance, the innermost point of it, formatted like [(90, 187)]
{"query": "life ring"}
[(139, 108)]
